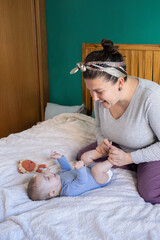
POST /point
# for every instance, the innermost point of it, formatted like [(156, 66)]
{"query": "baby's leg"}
[(89, 157), (99, 172)]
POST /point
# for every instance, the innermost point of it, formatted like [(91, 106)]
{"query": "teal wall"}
[(72, 22)]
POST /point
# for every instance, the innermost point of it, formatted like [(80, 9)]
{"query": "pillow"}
[(53, 109)]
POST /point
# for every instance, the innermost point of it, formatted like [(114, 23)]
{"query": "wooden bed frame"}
[(142, 61)]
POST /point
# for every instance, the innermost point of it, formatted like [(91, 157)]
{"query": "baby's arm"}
[(81, 173), (65, 166)]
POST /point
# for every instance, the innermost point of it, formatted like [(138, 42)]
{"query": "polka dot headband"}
[(113, 68)]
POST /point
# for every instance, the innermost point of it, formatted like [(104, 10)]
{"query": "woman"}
[(127, 113)]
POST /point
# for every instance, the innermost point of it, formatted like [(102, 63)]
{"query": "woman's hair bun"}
[(108, 46)]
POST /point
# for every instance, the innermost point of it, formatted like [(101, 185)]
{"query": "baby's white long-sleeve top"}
[(138, 129)]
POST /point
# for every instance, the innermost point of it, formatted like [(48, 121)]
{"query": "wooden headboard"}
[(142, 61)]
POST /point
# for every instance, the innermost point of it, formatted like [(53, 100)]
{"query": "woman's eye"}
[(99, 92)]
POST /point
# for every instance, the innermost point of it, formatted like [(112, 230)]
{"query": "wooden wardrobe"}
[(24, 89)]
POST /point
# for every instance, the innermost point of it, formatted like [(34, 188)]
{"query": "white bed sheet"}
[(115, 212)]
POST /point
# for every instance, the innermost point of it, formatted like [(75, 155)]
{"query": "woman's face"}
[(105, 92)]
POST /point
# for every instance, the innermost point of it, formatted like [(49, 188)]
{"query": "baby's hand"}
[(78, 165), (55, 155)]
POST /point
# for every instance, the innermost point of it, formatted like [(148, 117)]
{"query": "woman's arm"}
[(152, 109), (99, 135), (151, 112), (103, 143)]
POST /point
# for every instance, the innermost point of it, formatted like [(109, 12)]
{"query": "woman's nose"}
[(94, 96)]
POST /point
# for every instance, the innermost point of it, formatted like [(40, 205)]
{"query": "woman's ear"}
[(120, 82)]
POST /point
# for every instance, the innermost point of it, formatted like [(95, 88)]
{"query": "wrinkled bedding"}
[(114, 212)]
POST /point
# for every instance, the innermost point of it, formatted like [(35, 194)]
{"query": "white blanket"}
[(114, 212)]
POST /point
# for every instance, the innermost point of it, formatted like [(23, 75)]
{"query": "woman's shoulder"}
[(149, 85), (149, 88), (149, 93)]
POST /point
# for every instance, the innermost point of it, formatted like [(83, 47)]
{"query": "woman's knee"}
[(148, 194), (149, 181)]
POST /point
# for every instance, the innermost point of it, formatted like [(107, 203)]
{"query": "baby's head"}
[(44, 186)]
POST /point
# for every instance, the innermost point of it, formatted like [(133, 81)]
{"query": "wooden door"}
[(20, 86)]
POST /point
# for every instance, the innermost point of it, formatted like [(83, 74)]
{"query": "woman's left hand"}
[(118, 157)]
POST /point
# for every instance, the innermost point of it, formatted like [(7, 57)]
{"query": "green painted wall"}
[(72, 22)]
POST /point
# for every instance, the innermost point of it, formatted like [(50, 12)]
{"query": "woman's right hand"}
[(103, 147)]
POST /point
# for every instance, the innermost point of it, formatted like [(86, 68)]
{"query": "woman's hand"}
[(118, 157), (103, 147)]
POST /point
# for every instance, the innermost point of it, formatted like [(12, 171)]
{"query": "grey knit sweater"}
[(138, 129)]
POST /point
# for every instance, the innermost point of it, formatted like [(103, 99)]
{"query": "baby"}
[(71, 182)]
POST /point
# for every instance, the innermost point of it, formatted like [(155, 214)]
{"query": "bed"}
[(114, 212)]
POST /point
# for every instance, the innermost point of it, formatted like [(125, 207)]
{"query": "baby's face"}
[(48, 181)]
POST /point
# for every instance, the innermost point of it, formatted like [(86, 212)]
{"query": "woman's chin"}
[(106, 104)]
